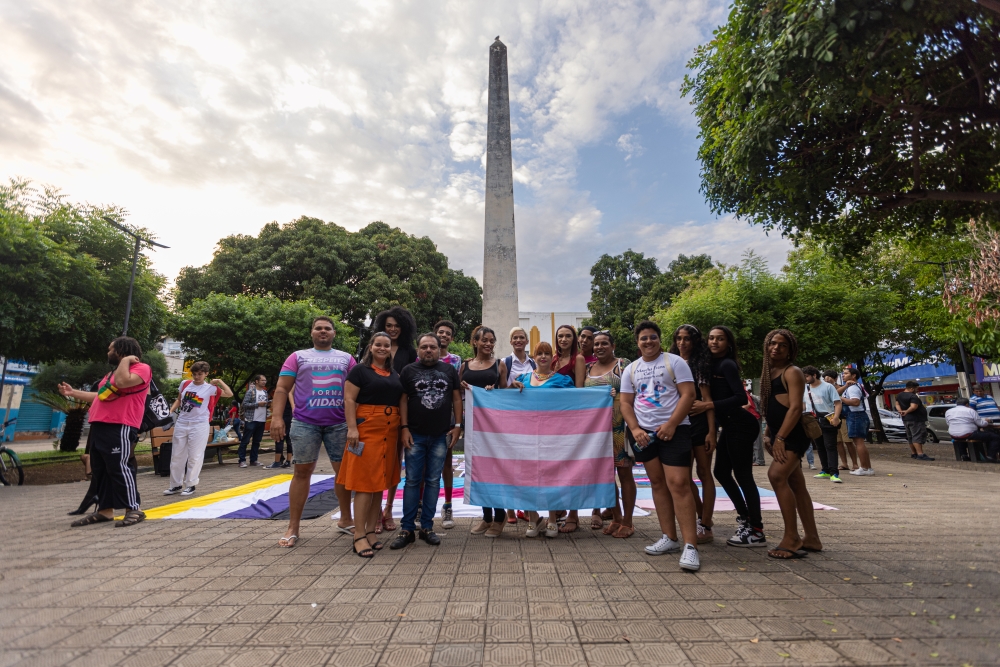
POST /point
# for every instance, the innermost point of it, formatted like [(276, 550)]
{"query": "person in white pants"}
[(195, 401)]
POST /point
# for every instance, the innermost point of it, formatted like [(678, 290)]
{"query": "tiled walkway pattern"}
[(910, 576)]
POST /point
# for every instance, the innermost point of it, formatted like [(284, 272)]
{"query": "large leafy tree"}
[(242, 335), (849, 117), (355, 274), (65, 275)]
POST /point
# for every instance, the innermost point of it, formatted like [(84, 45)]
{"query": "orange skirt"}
[(378, 466)]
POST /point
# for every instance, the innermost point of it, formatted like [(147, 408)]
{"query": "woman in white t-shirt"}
[(657, 392), (857, 418), (195, 401)]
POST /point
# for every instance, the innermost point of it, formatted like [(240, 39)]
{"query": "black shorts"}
[(673, 452)]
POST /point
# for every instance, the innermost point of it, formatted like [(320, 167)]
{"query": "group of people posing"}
[(681, 403)]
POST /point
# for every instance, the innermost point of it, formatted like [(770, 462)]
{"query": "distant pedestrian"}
[(845, 445), (283, 446), (254, 418), (431, 399), (822, 399), (857, 418), (233, 419), (116, 411), (782, 388), (914, 415), (983, 404), (315, 378), (195, 403), (965, 423)]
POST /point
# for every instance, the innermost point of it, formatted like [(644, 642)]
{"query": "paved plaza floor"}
[(909, 575)]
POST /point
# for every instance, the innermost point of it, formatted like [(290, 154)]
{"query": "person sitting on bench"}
[(965, 423)]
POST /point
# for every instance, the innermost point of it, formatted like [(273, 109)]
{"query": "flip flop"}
[(289, 541), (566, 527), (596, 522), (794, 555), (624, 531), (346, 530), (612, 528), (811, 550)]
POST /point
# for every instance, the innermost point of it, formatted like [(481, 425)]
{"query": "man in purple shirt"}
[(317, 378)]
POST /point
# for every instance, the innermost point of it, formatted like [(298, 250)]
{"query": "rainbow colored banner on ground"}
[(539, 449)]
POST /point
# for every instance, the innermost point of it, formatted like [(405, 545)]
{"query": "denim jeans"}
[(251, 431), (424, 461)]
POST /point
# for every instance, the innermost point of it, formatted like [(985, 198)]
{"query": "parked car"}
[(937, 427), (892, 424)]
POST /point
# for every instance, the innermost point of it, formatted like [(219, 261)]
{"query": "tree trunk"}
[(74, 429), (873, 405)]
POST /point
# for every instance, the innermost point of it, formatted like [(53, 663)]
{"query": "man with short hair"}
[(657, 391), (254, 418), (857, 418), (983, 404), (965, 423), (914, 414), (445, 330), (116, 411), (316, 378), (822, 399), (430, 412), (587, 344)]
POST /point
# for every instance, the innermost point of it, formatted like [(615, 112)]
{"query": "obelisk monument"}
[(500, 311)]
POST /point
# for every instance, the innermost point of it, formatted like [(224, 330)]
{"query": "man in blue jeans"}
[(431, 399)]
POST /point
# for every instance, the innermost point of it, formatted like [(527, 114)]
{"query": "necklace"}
[(542, 378)]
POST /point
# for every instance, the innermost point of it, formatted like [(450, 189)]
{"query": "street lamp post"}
[(135, 262)]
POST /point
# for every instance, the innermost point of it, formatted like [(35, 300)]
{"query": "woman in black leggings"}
[(734, 455)]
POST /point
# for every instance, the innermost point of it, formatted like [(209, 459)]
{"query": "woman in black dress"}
[(484, 371), (782, 386)]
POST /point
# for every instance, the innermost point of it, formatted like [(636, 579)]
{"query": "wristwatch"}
[(458, 426)]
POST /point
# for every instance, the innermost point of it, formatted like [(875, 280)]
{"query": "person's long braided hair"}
[(765, 371)]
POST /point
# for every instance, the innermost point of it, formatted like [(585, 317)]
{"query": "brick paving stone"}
[(222, 592)]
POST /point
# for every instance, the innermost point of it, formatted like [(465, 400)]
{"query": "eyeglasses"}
[(602, 332)]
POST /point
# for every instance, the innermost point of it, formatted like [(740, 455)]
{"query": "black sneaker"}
[(286, 464), (276, 464), (172, 490), (914, 456), (188, 491), (750, 537), (924, 457), (405, 537), (430, 537)]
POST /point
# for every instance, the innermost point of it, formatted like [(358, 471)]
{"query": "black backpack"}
[(157, 412)]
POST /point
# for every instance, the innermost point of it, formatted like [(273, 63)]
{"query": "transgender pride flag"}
[(539, 449)]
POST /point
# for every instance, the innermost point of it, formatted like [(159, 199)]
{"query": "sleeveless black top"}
[(483, 378), (797, 440)]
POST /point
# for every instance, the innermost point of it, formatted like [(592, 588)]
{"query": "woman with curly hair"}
[(689, 345), (782, 387), (401, 327)]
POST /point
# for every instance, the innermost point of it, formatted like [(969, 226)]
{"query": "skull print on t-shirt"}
[(429, 392)]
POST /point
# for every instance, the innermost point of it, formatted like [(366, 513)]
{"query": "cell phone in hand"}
[(357, 448)]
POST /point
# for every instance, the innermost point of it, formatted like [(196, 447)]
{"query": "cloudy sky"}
[(205, 119)]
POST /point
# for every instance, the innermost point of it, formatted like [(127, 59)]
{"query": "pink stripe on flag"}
[(517, 472), (536, 422)]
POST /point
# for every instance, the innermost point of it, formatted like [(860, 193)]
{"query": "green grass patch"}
[(29, 459)]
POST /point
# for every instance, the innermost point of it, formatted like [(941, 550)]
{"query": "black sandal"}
[(377, 546), (364, 553), (131, 518), (96, 517)]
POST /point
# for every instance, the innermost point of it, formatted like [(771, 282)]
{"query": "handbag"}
[(157, 410)]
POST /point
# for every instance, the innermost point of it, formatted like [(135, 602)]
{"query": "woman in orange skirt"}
[(371, 464)]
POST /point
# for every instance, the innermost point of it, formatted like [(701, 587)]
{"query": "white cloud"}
[(205, 119), (630, 144)]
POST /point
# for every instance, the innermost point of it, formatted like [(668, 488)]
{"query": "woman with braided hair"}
[(782, 386)]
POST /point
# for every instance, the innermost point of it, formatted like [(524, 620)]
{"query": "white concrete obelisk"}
[(500, 311)]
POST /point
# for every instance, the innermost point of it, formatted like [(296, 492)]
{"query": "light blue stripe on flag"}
[(542, 498), (543, 399)]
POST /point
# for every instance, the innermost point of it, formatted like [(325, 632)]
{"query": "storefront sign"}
[(986, 371)]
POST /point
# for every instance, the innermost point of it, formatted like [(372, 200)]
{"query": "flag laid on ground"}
[(539, 449), (263, 499)]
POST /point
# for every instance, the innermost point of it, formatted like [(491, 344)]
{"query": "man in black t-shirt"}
[(431, 399), (914, 415)]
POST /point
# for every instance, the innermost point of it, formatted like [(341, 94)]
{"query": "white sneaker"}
[(448, 521), (859, 472), (664, 545), (812, 467), (869, 471), (689, 559)]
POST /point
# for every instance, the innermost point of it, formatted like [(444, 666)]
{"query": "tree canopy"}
[(629, 287), (850, 117), (65, 275), (355, 274), (242, 335)]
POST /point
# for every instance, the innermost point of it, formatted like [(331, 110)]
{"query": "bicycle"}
[(11, 472)]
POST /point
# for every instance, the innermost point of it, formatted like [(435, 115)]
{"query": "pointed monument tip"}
[(498, 38)]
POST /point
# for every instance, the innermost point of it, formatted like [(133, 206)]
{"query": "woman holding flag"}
[(543, 376)]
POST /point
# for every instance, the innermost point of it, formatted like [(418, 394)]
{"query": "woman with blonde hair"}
[(371, 463)]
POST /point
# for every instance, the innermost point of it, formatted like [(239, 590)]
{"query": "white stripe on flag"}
[(540, 448)]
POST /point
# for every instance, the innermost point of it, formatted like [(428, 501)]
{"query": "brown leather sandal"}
[(96, 517), (625, 531), (612, 528)]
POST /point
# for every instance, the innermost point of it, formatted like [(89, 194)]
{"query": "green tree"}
[(46, 383), (618, 285), (240, 336), (673, 281), (847, 118), (65, 275), (355, 274)]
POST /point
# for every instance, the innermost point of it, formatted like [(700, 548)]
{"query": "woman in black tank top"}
[(782, 387), (484, 371)]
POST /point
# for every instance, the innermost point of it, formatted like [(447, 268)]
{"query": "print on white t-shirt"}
[(195, 399), (656, 394), (260, 414)]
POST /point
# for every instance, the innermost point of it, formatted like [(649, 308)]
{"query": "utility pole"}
[(135, 262)]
